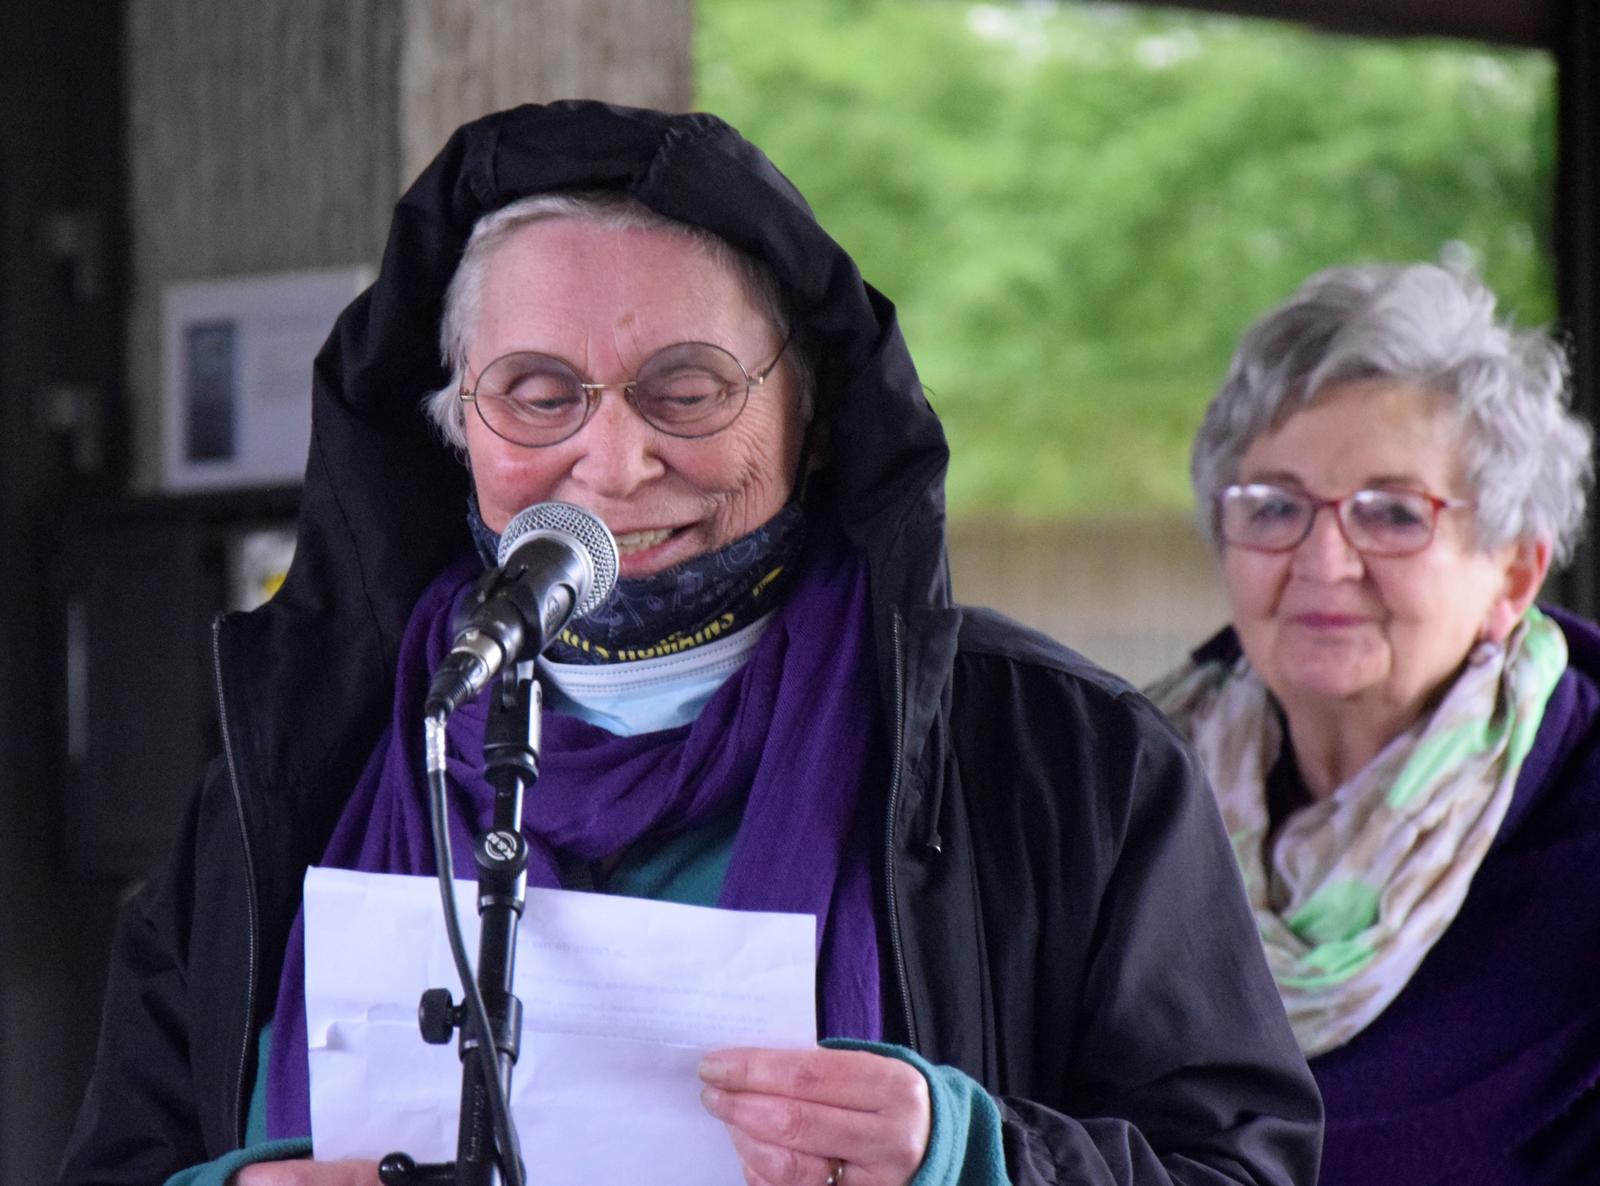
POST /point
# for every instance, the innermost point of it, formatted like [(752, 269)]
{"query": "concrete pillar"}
[(460, 58)]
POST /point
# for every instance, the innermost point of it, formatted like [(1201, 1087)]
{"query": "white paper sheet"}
[(621, 997)]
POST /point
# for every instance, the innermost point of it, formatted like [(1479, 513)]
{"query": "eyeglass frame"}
[(593, 391), (1436, 504)]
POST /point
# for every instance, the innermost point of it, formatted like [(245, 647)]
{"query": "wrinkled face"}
[(1323, 623), (605, 301)]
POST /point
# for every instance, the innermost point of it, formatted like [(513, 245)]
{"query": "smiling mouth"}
[(1329, 620), (637, 541)]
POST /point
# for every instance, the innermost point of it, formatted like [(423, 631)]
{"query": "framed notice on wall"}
[(236, 358)]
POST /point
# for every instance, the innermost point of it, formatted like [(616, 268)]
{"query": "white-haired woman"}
[(1405, 749)]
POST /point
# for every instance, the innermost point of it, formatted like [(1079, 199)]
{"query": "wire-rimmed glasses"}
[(1375, 522), (688, 389)]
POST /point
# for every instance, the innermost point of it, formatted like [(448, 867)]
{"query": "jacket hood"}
[(307, 680)]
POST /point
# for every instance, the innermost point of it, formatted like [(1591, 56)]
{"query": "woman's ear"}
[(1526, 563)]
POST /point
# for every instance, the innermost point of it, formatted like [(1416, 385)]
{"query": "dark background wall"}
[(60, 363)]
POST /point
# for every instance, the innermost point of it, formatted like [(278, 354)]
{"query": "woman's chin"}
[(1328, 678)]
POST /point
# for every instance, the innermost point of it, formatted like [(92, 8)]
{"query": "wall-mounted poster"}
[(236, 374)]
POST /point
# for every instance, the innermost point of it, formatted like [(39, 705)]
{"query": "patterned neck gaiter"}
[(680, 608)]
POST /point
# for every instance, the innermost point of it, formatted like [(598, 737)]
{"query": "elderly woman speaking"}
[(1405, 749), (1028, 930)]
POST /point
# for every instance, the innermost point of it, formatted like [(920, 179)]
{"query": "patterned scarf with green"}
[(1356, 888)]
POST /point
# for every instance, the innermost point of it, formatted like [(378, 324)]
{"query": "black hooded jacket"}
[(1060, 913)]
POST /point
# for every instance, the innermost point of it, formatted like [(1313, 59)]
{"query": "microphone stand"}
[(511, 764)]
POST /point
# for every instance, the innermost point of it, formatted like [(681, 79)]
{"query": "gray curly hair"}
[(1525, 453), (614, 211)]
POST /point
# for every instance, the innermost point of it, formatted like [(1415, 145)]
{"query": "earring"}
[(1484, 652)]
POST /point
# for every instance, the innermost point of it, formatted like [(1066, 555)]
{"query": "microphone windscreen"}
[(583, 530)]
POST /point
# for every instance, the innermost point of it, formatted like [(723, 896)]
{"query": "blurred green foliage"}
[(1078, 207)]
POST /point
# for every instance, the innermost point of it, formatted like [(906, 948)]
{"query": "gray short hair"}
[(1526, 454), (614, 211)]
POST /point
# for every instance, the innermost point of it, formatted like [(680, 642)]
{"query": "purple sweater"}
[(1486, 1068)]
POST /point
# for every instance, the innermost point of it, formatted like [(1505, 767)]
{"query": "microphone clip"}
[(485, 587)]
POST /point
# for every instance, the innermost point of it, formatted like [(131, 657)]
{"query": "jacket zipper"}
[(249, 882), (896, 949)]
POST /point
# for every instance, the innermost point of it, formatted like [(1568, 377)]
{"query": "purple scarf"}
[(790, 735)]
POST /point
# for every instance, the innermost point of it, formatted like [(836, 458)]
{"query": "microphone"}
[(556, 562)]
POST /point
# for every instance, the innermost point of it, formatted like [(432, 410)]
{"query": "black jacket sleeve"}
[(151, 1105), (1185, 1069), (1082, 944)]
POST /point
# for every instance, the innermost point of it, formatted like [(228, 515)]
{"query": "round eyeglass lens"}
[(692, 389), (530, 399)]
